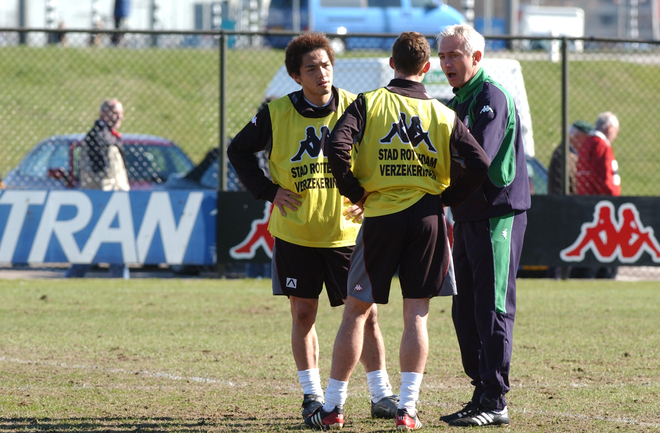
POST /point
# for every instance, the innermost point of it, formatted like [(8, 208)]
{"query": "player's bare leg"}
[(305, 346), (412, 356), (383, 401)]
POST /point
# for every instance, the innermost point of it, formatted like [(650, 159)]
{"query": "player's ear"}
[(296, 78), (426, 68)]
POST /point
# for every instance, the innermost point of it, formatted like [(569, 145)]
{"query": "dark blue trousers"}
[(486, 258)]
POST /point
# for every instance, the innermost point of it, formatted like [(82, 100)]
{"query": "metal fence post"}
[(222, 173), (222, 107), (566, 146)]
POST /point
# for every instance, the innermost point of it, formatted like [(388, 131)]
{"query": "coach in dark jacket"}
[(489, 228)]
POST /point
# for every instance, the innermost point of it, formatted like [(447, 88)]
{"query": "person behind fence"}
[(577, 133), (103, 166), (411, 155), (313, 226), (598, 174), (597, 169), (489, 228), (120, 13)]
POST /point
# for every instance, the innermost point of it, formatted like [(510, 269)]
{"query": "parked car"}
[(205, 174), (538, 185), (54, 162), (341, 17), (538, 176)]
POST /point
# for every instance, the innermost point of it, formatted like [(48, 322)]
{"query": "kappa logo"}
[(291, 283), (254, 121), (413, 133), (505, 233), (608, 239), (358, 288), (486, 109), (313, 144), (259, 237)]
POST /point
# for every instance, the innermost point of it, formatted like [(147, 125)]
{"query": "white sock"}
[(310, 380), (335, 394), (379, 385), (410, 384)]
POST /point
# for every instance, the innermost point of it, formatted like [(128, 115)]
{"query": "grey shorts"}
[(414, 242)]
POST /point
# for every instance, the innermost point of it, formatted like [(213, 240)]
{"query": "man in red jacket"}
[(597, 170)]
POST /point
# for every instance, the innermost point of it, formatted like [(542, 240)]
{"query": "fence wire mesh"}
[(53, 85), (52, 94)]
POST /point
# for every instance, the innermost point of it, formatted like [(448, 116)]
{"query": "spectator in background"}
[(597, 170), (103, 166), (58, 37), (121, 12), (598, 174), (577, 133), (96, 39)]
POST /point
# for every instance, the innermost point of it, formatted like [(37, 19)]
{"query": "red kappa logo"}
[(626, 239), (259, 236)]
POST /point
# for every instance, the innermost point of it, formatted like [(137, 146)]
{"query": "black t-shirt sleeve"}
[(256, 136), (469, 165), (345, 133)]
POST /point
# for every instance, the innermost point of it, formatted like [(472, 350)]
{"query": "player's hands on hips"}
[(285, 198), (355, 212)]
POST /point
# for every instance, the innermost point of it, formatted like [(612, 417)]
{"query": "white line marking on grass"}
[(629, 421), (146, 373)]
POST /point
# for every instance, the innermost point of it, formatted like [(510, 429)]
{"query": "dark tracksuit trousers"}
[(484, 316)]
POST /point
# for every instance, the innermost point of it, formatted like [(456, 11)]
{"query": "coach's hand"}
[(285, 198)]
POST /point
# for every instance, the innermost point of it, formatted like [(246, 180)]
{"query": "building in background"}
[(626, 19), (144, 14), (629, 19)]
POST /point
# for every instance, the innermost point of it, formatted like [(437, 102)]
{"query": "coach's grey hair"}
[(605, 120), (473, 40), (109, 106)]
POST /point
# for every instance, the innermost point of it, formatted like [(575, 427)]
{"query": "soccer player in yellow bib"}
[(411, 156), (313, 226)]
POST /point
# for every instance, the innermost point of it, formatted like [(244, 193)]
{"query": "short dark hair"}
[(410, 52), (302, 45)]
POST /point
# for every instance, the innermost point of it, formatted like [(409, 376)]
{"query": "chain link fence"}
[(53, 84), (198, 89)]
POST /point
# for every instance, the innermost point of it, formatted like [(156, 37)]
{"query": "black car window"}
[(154, 163)]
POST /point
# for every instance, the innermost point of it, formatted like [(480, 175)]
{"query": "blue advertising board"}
[(88, 226)]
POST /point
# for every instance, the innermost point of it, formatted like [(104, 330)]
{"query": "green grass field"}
[(210, 355), (175, 94)]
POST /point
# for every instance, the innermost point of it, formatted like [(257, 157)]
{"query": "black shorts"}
[(302, 271), (414, 241)]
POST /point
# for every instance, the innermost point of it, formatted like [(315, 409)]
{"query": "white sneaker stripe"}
[(483, 418)]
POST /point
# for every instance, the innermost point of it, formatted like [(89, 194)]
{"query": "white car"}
[(358, 75)]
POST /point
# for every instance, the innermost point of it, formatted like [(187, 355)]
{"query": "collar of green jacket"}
[(473, 85)]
